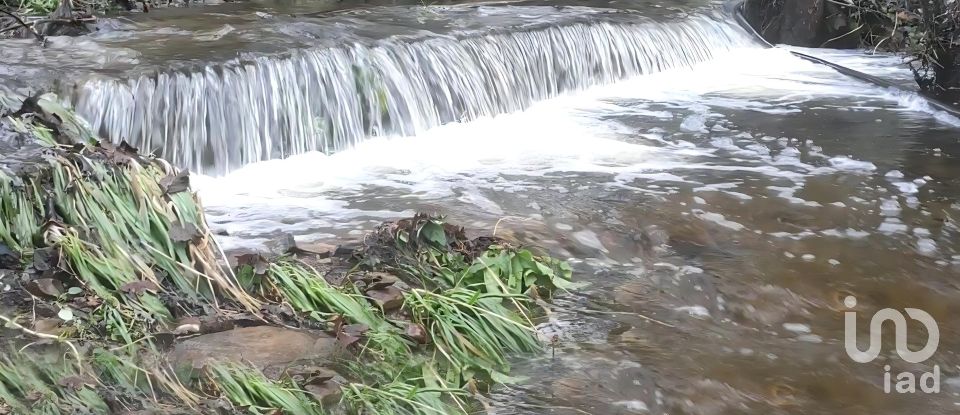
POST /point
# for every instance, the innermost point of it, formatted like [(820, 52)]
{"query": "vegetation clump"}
[(107, 265)]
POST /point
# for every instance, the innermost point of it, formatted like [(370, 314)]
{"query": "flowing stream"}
[(719, 199), (330, 98)]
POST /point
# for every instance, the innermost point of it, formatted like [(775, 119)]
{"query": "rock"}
[(328, 393), (184, 232), (174, 183), (346, 250), (45, 258), (8, 258), (350, 334), (47, 326), (45, 287), (322, 382), (301, 373), (374, 280), (319, 249), (261, 346), (253, 259), (389, 298), (416, 333), (280, 244), (310, 373)]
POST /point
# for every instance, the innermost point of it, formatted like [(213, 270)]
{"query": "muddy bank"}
[(117, 299)]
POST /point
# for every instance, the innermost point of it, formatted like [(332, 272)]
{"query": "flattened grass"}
[(130, 242)]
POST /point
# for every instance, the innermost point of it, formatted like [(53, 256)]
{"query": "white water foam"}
[(573, 133)]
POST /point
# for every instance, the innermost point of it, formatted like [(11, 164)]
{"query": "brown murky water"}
[(719, 225)]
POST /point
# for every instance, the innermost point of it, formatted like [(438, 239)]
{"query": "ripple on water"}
[(718, 258)]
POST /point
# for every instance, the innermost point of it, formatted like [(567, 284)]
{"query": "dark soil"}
[(807, 23)]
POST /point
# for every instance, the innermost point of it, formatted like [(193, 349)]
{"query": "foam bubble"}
[(848, 164)]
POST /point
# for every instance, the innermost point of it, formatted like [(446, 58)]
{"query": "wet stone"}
[(389, 298), (328, 393), (320, 249), (345, 250), (262, 346), (45, 287), (8, 258), (280, 244)]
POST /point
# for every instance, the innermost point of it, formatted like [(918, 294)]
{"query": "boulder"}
[(265, 347)]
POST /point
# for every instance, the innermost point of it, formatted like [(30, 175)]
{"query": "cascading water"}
[(228, 115), (718, 216)]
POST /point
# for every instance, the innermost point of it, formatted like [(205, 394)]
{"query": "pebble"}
[(810, 338)]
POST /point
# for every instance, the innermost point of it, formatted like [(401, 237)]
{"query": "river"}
[(720, 200)]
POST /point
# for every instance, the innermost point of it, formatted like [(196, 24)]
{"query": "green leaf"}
[(65, 314), (433, 232)]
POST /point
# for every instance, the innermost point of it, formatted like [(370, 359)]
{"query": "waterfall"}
[(227, 115)]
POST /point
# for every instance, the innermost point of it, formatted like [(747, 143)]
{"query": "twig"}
[(40, 38), (842, 36), (625, 313), (497, 225), (880, 43), (73, 348), (893, 32)]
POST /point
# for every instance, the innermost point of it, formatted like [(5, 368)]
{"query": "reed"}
[(128, 242)]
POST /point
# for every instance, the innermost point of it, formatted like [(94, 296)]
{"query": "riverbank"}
[(927, 34), (117, 298), (721, 211)]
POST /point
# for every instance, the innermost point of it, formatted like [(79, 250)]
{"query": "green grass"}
[(33, 7), (309, 293), (35, 385), (470, 328), (125, 242), (44, 7), (250, 391)]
